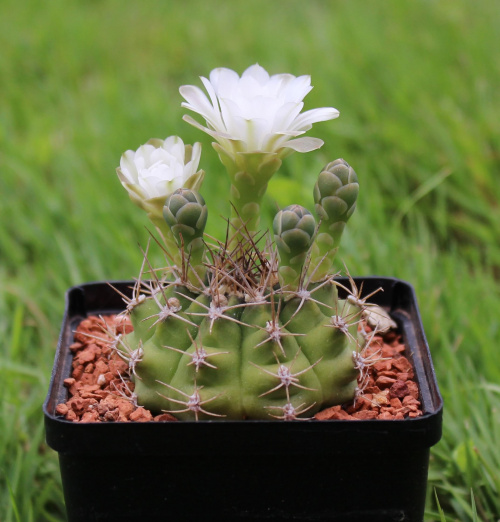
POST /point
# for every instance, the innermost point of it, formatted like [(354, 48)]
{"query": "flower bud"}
[(186, 214), (294, 228), (335, 192)]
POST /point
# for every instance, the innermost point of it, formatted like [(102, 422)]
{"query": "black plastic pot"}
[(367, 470)]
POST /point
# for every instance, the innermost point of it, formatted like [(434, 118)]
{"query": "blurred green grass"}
[(416, 85)]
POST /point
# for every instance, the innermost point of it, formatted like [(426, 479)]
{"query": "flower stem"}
[(249, 174), (245, 209), (167, 237)]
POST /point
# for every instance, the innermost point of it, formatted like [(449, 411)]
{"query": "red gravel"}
[(99, 387), (101, 391), (390, 392)]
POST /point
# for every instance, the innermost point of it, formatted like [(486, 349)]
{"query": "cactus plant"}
[(252, 327)]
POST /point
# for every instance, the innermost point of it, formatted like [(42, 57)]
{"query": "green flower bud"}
[(186, 214), (335, 192), (335, 195), (294, 228)]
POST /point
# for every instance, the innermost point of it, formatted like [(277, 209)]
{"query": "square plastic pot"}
[(373, 470)]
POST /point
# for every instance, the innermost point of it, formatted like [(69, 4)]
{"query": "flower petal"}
[(306, 119), (211, 132), (258, 73), (296, 89), (224, 81), (198, 102), (127, 166), (212, 94), (286, 115), (305, 144)]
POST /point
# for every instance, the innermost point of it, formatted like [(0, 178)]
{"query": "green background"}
[(416, 84)]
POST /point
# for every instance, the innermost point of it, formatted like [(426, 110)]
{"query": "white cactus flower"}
[(158, 168), (257, 112)]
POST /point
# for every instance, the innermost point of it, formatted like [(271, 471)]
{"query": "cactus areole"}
[(250, 327)]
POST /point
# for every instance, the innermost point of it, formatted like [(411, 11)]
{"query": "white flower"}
[(158, 168), (257, 112)]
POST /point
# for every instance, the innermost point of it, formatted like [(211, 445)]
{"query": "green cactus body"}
[(281, 358)]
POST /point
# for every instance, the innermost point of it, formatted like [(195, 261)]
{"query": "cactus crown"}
[(231, 329)]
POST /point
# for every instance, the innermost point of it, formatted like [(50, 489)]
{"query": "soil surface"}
[(100, 389)]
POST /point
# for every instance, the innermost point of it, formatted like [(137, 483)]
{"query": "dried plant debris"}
[(101, 388)]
